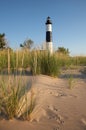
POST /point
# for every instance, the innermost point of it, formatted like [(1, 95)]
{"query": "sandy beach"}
[(60, 104)]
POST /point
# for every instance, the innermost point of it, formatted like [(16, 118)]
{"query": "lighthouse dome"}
[(48, 20)]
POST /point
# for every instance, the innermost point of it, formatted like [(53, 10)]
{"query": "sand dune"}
[(58, 107)]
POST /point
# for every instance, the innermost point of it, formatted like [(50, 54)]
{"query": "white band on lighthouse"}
[(49, 27), (49, 46)]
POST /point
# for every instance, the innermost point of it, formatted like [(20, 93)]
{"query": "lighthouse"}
[(49, 44)]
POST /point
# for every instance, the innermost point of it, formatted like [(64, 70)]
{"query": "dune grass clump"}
[(3, 59), (11, 92), (8, 99), (14, 59), (29, 108), (78, 60), (71, 82), (50, 65), (44, 63)]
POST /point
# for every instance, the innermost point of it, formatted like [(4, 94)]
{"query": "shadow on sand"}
[(23, 72), (80, 74)]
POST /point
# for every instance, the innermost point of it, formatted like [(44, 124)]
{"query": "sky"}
[(25, 19)]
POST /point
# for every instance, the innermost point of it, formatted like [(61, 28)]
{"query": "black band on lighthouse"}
[(48, 36)]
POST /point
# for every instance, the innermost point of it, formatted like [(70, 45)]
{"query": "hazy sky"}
[(21, 19)]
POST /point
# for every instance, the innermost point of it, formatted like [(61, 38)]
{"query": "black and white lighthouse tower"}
[(49, 44)]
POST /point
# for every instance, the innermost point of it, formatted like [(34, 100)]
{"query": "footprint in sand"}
[(53, 115), (54, 93), (56, 128), (58, 94), (53, 108), (83, 121)]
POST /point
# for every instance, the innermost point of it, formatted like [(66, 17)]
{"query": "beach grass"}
[(11, 92)]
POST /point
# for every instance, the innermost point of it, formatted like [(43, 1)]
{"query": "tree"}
[(27, 44), (3, 42), (63, 50)]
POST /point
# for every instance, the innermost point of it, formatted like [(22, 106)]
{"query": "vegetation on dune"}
[(63, 51), (44, 63), (13, 90), (27, 44), (40, 62), (2, 41)]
